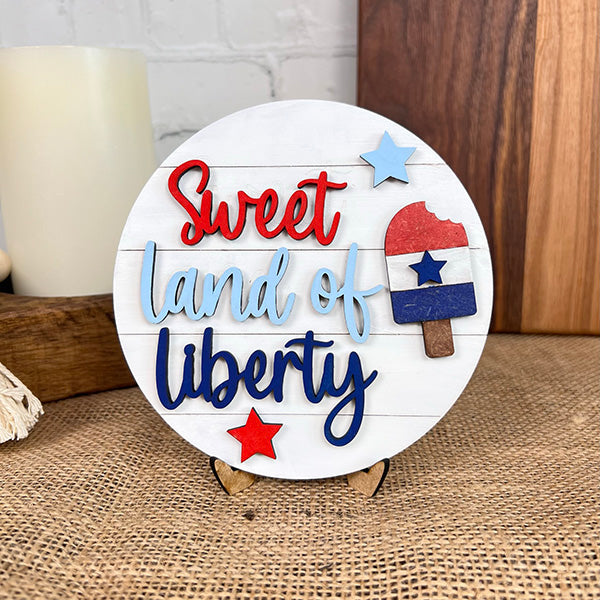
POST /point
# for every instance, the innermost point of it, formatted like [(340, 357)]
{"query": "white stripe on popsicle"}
[(456, 270)]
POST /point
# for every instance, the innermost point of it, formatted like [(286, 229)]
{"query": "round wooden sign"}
[(302, 289)]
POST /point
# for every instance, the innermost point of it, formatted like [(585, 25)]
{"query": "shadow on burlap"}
[(499, 500)]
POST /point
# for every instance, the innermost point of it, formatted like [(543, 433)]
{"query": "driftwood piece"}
[(61, 347)]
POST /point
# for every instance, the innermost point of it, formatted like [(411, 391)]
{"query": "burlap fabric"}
[(500, 500)]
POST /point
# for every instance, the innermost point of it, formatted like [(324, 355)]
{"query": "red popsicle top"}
[(415, 229)]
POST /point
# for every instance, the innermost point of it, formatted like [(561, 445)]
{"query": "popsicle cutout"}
[(429, 272)]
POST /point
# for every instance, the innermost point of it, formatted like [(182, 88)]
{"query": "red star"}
[(255, 436)]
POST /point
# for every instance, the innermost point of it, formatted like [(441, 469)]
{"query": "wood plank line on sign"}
[(460, 75), (302, 414), (323, 166), (434, 184), (562, 257), (371, 271), (321, 249), (288, 146), (290, 332), (362, 448), (402, 386)]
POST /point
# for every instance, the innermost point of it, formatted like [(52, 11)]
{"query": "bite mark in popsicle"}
[(429, 272)]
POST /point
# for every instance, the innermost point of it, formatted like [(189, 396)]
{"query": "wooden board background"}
[(508, 93)]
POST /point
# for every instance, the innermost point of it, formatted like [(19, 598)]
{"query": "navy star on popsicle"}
[(388, 160), (428, 269)]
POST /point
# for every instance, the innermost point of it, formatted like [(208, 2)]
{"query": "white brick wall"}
[(206, 58)]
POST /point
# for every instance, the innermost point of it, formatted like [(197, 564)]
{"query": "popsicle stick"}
[(230, 479), (437, 336)]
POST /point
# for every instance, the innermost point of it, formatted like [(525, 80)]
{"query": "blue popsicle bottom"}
[(434, 303)]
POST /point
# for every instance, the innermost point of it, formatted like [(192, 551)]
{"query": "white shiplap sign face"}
[(272, 280)]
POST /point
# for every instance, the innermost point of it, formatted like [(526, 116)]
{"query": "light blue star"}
[(388, 160)]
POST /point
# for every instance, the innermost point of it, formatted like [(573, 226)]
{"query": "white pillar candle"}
[(75, 150)]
